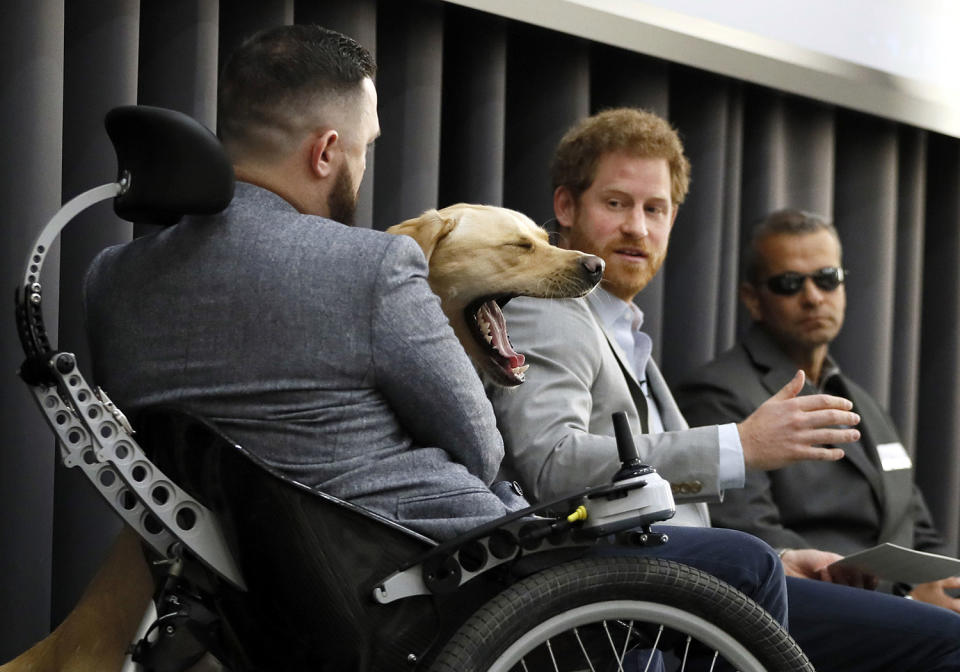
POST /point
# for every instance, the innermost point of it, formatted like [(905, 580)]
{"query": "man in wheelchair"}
[(320, 348)]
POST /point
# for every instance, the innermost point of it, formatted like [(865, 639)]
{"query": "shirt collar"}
[(613, 310), (829, 371)]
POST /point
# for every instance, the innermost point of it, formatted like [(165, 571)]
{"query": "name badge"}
[(893, 456)]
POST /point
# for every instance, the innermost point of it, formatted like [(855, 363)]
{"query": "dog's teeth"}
[(488, 338), (520, 370)]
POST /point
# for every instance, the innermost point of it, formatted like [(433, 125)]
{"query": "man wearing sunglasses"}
[(794, 291)]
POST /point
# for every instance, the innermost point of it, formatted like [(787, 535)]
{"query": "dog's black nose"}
[(593, 266)]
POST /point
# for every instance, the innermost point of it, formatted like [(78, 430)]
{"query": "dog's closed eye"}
[(525, 244)]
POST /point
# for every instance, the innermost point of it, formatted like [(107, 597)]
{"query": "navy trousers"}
[(840, 629), (740, 559), (855, 630)]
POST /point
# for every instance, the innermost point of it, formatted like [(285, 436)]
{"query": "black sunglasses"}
[(791, 282)]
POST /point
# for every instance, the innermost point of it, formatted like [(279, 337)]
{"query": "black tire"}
[(615, 592)]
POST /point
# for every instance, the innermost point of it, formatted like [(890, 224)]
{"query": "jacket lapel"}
[(622, 360), (670, 415)]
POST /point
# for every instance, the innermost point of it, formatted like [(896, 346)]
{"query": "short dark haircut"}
[(276, 74), (788, 221), (632, 131)]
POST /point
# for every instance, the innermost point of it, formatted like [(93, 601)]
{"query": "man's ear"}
[(751, 300), (564, 207), (428, 230), (323, 153)]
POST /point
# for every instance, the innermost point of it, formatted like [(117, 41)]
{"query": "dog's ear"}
[(428, 229)]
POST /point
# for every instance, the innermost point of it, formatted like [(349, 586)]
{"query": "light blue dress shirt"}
[(623, 320)]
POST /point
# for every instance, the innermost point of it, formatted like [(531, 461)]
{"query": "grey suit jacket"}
[(318, 346), (557, 426), (842, 506)]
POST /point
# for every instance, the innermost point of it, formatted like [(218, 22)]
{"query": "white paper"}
[(904, 565), (893, 456)]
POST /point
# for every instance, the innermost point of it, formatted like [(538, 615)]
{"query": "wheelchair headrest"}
[(174, 165)]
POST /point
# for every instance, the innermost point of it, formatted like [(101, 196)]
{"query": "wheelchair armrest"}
[(628, 507)]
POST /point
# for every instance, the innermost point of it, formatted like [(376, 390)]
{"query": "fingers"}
[(791, 389), (828, 418), (821, 436), (815, 402), (817, 454)]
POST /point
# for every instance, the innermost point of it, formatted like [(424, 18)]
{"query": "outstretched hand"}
[(787, 428)]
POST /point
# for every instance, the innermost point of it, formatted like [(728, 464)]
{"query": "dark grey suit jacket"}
[(318, 346), (842, 506)]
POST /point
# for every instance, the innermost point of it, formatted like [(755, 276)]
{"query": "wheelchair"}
[(263, 573)]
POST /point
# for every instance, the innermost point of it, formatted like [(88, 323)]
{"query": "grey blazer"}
[(557, 427), (318, 346), (842, 506)]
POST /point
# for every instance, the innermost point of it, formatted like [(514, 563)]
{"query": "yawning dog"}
[(482, 256)]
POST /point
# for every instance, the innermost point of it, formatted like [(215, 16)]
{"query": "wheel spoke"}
[(653, 649), (613, 647), (626, 642), (714, 661), (686, 652), (552, 657), (586, 656)]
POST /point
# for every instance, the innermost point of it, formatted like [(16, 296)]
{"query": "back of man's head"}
[(626, 130), (280, 83), (788, 221)]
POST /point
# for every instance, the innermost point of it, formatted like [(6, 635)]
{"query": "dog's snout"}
[(593, 265)]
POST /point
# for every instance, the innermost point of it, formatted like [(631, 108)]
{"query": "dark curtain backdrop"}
[(471, 108)]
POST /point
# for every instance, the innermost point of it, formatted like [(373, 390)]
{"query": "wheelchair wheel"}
[(621, 614)]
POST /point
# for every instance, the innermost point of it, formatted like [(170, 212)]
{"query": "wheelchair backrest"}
[(310, 560)]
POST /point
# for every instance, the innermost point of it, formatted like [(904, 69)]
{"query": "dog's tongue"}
[(498, 332)]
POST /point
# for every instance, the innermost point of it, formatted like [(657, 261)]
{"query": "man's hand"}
[(809, 563), (935, 593), (787, 428)]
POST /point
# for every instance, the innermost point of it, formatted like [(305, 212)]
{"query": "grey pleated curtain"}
[(471, 107)]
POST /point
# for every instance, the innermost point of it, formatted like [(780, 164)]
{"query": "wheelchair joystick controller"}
[(631, 464), (642, 497)]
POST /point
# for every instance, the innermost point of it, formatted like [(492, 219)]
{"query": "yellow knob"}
[(579, 514)]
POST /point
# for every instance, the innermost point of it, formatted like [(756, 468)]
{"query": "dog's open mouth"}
[(489, 328)]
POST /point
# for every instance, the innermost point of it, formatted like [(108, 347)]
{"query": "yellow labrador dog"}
[(480, 257)]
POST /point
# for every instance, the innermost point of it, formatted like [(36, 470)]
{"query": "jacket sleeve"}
[(419, 364), (752, 509), (553, 447)]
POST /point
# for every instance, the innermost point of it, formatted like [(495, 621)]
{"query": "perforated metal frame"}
[(94, 435)]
